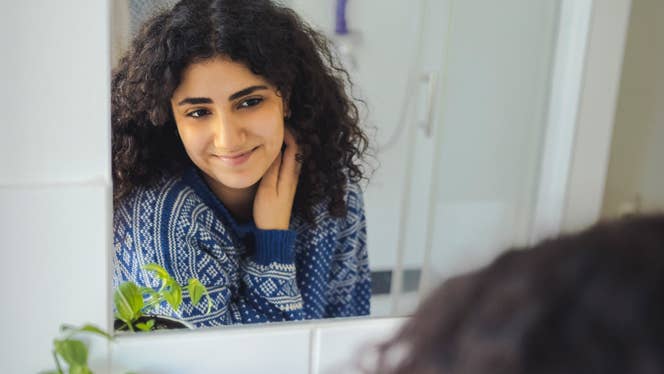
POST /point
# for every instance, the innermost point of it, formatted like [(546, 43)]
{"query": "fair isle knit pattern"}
[(314, 270)]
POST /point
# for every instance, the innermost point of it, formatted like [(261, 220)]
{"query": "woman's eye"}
[(250, 102), (198, 113)]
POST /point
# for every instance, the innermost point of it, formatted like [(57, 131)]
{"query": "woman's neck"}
[(239, 202)]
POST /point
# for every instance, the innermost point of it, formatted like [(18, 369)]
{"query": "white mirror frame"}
[(55, 192)]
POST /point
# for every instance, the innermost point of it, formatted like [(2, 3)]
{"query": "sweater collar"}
[(193, 178)]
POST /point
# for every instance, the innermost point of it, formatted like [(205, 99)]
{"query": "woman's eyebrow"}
[(207, 100), (246, 91), (195, 100)]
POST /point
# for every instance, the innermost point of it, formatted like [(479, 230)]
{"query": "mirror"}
[(456, 100)]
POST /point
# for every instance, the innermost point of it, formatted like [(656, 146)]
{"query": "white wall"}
[(54, 175), (120, 29), (635, 178)]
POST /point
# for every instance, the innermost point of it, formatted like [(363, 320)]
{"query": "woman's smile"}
[(236, 159)]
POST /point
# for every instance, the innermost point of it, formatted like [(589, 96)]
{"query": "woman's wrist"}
[(282, 226)]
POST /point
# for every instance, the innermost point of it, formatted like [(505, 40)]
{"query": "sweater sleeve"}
[(270, 291), (350, 281), (259, 286)]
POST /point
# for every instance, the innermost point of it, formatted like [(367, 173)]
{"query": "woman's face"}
[(230, 120)]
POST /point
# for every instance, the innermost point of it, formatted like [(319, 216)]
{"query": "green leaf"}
[(146, 326), (159, 271), (173, 295), (85, 328), (96, 330), (128, 302), (80, 369), (196, 290), (50, 372), (74, 352)]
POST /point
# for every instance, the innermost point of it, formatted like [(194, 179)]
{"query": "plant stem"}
[(128, 323), (57, 362), (153, 302), (209, 300)]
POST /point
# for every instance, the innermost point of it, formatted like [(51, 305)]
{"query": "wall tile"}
[(54, 269), (338, 348), (253, 349), (55, 92)]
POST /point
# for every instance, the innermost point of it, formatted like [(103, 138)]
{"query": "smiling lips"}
[(237, 159)]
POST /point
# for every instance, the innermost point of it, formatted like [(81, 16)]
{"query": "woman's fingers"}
[(290, 168), (273, 203), (271, 176)]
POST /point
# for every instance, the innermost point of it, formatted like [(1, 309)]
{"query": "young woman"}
[(236, 160)]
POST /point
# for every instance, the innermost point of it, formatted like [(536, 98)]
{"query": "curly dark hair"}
[(590, 303), (273, 42)]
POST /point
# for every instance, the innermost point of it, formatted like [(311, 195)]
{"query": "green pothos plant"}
[(73, 353), (131, 303)]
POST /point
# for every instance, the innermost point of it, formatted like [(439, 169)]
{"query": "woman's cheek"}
[(193, 143), (278, 133), (272, 133)]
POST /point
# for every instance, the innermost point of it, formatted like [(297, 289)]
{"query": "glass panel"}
[(492, 127)]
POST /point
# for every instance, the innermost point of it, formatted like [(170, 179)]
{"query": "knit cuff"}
[(275, 246)]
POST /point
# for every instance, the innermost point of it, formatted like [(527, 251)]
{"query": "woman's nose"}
[(228, 135)]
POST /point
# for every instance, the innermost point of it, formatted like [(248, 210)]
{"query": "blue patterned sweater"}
[(317, 270)]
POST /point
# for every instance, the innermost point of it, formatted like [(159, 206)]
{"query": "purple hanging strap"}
[(341, 27)]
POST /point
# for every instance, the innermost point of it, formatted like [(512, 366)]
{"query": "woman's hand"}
[(274, 198)]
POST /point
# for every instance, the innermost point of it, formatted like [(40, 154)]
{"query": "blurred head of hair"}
[(591, 302)]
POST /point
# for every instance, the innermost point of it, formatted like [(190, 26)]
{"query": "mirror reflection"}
[(253, 182), (237, 158)]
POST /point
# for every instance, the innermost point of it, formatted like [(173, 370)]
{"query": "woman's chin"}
[(238, 183)]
